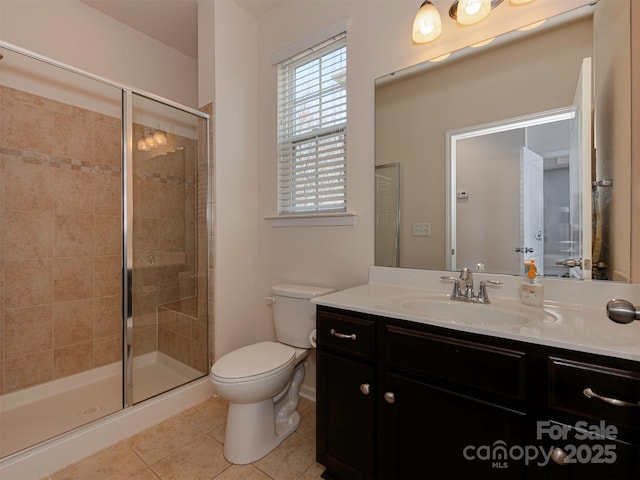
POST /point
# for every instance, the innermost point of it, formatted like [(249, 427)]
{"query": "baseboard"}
[(308, 392)]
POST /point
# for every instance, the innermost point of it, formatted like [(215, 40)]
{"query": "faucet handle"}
[(483, 297), (457, 293)]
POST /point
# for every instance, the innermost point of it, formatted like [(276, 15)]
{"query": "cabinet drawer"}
[(350, 335), (568, 379), (481, 367)]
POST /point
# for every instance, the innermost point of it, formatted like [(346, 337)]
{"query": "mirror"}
[(453, 194)]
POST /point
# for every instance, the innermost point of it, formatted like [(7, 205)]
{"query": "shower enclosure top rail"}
[(106, 81)]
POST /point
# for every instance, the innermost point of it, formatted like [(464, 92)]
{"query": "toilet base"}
[(255, 429)]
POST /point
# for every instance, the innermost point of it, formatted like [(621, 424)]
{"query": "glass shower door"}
[(167, 328), (60, 250)]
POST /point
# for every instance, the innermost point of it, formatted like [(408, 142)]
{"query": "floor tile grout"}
[(180, 448)]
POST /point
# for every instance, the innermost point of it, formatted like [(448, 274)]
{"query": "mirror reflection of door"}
[(524, 212), (387, 208), (580, 182), (532, 217)]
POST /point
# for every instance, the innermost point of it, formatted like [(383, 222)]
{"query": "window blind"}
[(312, 129)]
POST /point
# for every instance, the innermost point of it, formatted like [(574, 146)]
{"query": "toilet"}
[(262, 381)]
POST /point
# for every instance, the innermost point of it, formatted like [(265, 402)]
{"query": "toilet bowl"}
[(262, 381)]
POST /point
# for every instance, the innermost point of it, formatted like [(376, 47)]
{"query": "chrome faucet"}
[(466, 283), (463, 287)]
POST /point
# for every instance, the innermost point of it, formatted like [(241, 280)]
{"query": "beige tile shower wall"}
[(164, 244), (60, 255), (183, 325)]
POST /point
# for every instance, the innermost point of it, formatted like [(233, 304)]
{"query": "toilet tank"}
[(294, 315)]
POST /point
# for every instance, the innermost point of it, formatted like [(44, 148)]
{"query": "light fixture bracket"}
[(453, 11)]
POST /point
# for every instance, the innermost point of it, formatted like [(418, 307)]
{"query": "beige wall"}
[(237, 298), (378, 43), (414, 114), (635, 140)]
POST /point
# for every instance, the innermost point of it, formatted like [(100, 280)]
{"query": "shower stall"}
[(103, 247)]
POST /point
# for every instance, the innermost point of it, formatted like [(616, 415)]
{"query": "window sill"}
[(314, 220)]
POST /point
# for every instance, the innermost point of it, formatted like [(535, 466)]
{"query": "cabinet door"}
[(345, 417), (426, 432)]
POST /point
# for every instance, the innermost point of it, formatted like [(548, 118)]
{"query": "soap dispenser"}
[(531, 290)]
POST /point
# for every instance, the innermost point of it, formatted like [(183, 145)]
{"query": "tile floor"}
[(188, 446)]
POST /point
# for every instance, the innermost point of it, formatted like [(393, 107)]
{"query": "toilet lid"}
[(253, 361)]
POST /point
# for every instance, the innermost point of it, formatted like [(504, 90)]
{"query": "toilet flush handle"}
[(271, 300)]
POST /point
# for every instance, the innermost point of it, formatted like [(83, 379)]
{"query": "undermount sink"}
[(443, 309)]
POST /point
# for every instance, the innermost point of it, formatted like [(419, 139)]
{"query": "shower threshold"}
[(36, 414)]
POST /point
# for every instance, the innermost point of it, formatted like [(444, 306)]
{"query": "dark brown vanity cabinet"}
[(602, 425), (346, 394), (403, 400)]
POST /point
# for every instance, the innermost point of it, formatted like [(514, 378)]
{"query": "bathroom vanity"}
[(405, 391)]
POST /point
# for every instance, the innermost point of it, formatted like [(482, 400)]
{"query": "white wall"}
[(237, 295), (73, 33), (378, 42)]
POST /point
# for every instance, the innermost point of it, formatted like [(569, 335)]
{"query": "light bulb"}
[(427, 25), (160, 138), (142, 145), (473, 11), (150, 141)]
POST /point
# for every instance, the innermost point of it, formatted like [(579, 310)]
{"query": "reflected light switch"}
[(421, 229)]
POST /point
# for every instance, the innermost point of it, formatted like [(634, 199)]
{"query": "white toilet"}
[(262, 381)]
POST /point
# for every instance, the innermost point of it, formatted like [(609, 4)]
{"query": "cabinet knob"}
[(365, 388), (558, 456), (389, 397)]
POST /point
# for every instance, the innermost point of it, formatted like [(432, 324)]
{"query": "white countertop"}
[(580, 324)]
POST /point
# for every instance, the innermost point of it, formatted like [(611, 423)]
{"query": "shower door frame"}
[(127, 198)]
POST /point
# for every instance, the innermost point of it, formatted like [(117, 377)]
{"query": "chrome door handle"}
[(622, 311), (588, 392), (569, 262), (350, 336), (365, 388)]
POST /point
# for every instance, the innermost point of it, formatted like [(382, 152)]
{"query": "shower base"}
[(36, 414)]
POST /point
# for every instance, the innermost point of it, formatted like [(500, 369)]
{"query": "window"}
[(312, 130)]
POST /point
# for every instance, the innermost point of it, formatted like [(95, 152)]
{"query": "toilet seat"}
[(253, 362)]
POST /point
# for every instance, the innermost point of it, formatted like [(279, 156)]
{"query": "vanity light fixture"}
[(440, 58), (427, 24), (483, 43), (532, 26), (151, 139), (468, 12)]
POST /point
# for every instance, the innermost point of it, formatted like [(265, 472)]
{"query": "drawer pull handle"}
[(389, 397), (613, 401), (342, 335), (365, 388), (558, 456)]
